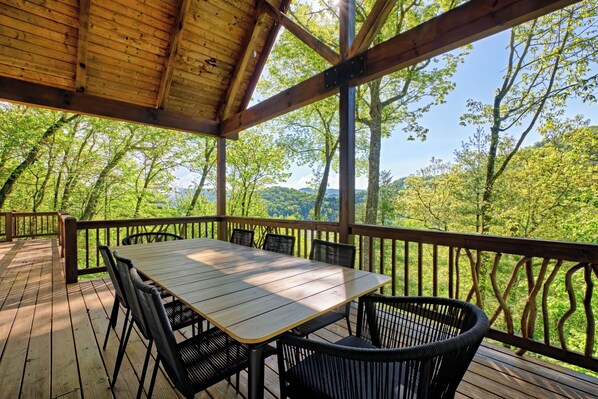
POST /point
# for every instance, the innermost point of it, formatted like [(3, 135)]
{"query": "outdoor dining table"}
[(252, 295)]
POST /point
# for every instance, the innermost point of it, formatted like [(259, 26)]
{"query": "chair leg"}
[(349, 325), (121, 353), (145, 366), (113, 318), (154, 374)]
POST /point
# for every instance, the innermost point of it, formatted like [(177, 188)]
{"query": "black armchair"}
[(242, 237), (144, 238), (405, 347), (336, 254), (279, 243)]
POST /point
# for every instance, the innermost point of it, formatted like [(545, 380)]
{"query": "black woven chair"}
[(144, 238), (196, 363), (279, 243), (336, 254), (178, 314), (406, 347), (119, 297), (242, 237)]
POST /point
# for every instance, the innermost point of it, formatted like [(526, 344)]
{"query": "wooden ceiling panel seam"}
[(169, 7), (160, 14), (127, 58), (11, 33), (229, 15), (112, 43), (129, 74), (47, 13), (209, 64), (136, 15), (123, 66), (201, 42), (30, 49), (125, 80), (213, 96), (125, 37), (67, 36), (33, 77), (38, 60), (130, 88), (118, 95), (186, 79), (18, 14), (137, 31)]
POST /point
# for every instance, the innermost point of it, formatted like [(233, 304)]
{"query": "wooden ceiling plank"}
[(49, 97), (263, 57), (241, 66), (372, 25), (83, 40), (465, 24), (173, 48), (310, 40)]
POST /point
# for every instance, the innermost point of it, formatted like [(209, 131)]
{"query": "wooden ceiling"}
[(192, 65)]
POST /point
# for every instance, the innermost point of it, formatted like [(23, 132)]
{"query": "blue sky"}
[(477, 79)]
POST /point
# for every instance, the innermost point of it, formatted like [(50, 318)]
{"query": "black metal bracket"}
[(342, 73)]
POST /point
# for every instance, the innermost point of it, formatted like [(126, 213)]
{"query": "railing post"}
[(70, 249), (9, 226)]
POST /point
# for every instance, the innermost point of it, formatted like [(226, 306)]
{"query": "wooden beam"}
[(173, 48), (22, 92), (259, 19), (263, 57), (82, 41), (465, 24), (310, 40), (372, 25), (221, 187)]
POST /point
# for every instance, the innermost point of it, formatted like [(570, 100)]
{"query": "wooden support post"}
[(221, 188), (9, 219), (347, 129), (70, 249)]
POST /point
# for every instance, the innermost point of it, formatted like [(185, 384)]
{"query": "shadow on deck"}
[(51, 336)]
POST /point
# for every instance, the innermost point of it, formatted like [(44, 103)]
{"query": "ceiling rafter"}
[(467, 23), (241, 66), (82, 41), (263, 57), (176, 35), (22, 92), (372, 25), (302, 34)]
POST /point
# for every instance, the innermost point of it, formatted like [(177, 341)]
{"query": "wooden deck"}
[(51, 337)]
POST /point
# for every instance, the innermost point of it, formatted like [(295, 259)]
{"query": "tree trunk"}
[(321, 193), (375, 126), (31, 157), (202, 181), (98, 187)]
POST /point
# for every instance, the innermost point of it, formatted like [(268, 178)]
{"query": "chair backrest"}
[(279, 243), (144, 238), (123, 267), (333, 253), (161, 332), (425, 346), (242, 237), (113, 273)]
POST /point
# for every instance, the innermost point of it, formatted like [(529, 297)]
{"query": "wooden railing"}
[(19, 225), (538, 294), (88, 234)]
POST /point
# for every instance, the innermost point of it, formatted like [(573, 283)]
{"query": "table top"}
[(251, 294)]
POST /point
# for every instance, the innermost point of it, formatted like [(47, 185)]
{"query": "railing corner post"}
[(9, 220), (70, 249)]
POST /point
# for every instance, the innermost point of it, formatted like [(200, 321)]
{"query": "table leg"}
[(256, 372)]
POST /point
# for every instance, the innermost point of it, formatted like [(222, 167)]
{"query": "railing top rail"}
[(576, 252), (31, 213), (96, 224), (290, 223)]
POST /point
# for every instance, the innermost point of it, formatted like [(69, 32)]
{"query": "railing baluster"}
[(406, 270), (393, 263), (435, 270), (420, 269)]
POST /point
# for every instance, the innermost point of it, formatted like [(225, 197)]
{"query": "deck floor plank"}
[(51, 335), (36, 378)]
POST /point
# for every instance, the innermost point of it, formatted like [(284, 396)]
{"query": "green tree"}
[(549, 61), (253, 162)]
